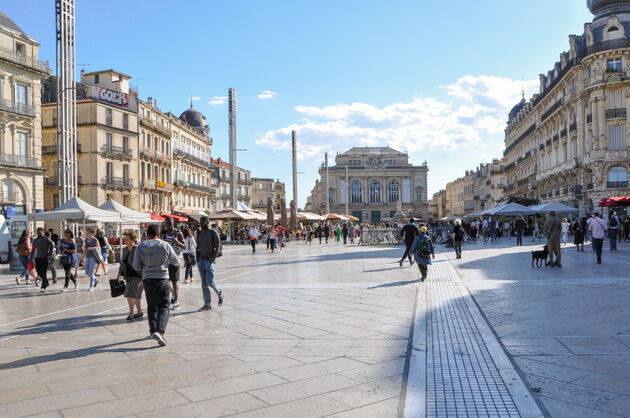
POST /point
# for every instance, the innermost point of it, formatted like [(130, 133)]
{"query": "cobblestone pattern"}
[(462, 379)]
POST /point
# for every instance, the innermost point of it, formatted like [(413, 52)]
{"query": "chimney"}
[(82, 74), (155, 103)]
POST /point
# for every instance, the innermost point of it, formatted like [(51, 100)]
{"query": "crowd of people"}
[(151, 266)]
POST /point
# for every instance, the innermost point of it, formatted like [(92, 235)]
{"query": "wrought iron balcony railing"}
[(30, 62), (117, 151), (617, 184), (18, 108), (20, 161), (52, 149), (615, 113), (118, 182)]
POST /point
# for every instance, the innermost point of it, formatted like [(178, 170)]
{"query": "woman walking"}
[(105, 251), (578, 234), (24, 251), (92, 250), (134, 288), (68, 250), (80, 254), (422, 249), (189, 255)]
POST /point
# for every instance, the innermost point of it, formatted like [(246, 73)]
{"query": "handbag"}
[(117, 287), (98, 256)]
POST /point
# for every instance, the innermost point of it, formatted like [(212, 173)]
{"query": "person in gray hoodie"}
[(152, 258)]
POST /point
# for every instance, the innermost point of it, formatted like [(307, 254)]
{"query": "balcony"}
[(30, 62), (147, 121), (615, 113), (617, 184), (186, 156), (245, 182), (117, 182), (589, 118), (52, 149), (114, 151), (19, 161), (557, 105), (17, 108), (151, 154)]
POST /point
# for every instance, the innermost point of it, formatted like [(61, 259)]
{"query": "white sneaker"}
[(63, 289), (91, 289), (159, 338)]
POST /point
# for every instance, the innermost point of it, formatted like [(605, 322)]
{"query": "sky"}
[(433, 78)]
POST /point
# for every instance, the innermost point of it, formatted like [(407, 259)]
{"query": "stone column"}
[(601, 113), (595, 122)]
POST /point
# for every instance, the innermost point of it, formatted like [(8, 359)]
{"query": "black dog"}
[(539, 256)]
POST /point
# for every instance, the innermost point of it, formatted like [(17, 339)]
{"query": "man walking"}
[(520, 229), (208, 247), (409, 233), (344, 233), (253, 236), (553, 227), (176, 240), (598, 229), (41, 253), (153, 258), (320, 232), (326, 232), (458, 238), (613, 230)]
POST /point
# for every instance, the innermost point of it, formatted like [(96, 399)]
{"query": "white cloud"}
[(217, 100), (479, 106), (267, 94)]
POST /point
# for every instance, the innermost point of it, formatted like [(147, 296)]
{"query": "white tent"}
[(511, 209), (553, 207), (239, 206), (449, 218), (128, 215), (76, 210)]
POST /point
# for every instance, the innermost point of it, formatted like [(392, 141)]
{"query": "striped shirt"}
[(171, 240)]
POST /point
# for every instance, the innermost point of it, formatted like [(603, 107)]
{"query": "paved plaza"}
[(335, 330)]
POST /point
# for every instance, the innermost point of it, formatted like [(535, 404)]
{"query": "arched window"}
[(356, 192), (375, 191), (617, 177), (393, 192)]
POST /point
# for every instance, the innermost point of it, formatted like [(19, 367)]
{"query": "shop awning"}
[(157, 217), (176, 218), (615, 201)]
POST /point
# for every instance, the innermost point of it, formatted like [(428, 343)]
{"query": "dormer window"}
[(19, 52)]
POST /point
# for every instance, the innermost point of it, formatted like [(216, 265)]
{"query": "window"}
[(613, 65), (419, 195), (142, 171), (614, 99), (96, 79), (125, 121), (174, 141), (108, 117), (21, 145), (149, 171), (331, 195), (617, 177), (125, 171), (109, 169), (375, 191), (616, 140), (565, 152), (575, 148), (109, 141), (126, 143), (356, 192), (19, 52), (393, 192), (591, 139), (21, 94)]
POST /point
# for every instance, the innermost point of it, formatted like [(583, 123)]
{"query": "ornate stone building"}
[(569, 142), (263, 188), (107, 146), (192, 165), (21, 74), (222, 187), (371, 181), (155, 185)]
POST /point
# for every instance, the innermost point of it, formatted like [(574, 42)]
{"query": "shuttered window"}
[(614, 99), (616, 138)]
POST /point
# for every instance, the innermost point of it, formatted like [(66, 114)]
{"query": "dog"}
[(540, 256)]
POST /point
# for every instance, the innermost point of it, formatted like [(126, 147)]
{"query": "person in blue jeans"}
[(208, 248), (24, 251)]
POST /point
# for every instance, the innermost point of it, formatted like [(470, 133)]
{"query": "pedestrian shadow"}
[(74, 354), (394, 284), (383, 269)]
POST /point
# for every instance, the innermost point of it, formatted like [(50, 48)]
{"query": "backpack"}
[(207, 242), (613, 222), (424, 249)]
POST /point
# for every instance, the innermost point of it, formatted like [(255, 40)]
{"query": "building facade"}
[(107, 140), (570, 142), (262, 188), (371, 181), (155, 186), (192, 165), (21, 75), (222, 186)]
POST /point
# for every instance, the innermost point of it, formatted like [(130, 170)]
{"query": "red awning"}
[(156, 217), (615, 201), (176, 218)]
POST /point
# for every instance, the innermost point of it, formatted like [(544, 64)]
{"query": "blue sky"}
[(434, 78)]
